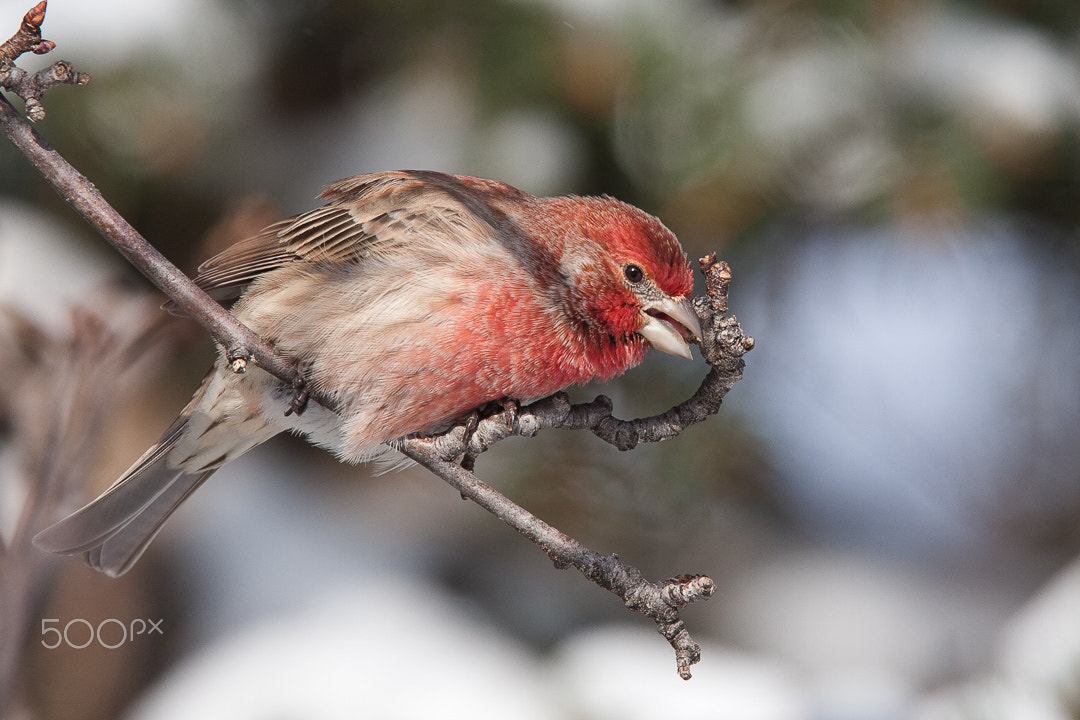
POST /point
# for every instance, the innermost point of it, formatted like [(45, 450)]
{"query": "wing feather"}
[(365, 216)]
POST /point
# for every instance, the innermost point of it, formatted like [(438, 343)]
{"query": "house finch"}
[(409, 299)]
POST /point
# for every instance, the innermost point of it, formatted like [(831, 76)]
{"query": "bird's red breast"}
[(415, 297)]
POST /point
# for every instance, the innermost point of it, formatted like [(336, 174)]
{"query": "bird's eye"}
[(633, 273)]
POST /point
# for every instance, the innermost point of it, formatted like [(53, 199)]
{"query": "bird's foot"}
[(471, 422), (507, 405), (301, 394)]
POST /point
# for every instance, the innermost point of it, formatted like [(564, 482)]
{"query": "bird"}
[(409, 299)]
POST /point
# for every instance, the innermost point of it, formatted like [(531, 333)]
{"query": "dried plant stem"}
[(57, 393)]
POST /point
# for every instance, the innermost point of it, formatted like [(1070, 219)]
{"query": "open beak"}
[(668, 323)]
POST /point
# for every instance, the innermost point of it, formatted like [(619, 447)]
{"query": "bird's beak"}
[(668, 322)]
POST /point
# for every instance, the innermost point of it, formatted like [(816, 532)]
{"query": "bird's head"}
[(630, 275)]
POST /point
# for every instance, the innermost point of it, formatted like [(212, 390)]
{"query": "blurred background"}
[(889, 500)]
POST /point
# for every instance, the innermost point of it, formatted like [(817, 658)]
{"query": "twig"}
[(449, 455), (658, 601), (241, 344), (31, 87), (723, 345)]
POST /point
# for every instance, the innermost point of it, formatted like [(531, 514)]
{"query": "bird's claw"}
[(471, 422), (510, 406), (301, 394)]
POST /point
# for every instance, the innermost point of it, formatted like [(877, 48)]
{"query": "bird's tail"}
[(113, 530)]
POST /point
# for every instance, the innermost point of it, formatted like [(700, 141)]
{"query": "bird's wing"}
[(366, 215)]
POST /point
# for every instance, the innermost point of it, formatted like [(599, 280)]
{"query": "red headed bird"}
[(410, 299)]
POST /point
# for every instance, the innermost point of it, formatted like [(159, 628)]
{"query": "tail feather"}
[(126, 544), (113, 530)]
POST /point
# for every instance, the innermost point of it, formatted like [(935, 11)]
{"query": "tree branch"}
[(31, 87), (240, 343), (450, 455), (723, 345)]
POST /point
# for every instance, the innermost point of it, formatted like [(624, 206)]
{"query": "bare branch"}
[(451, 454), (241, 344), (31, 87), (723, 345), (658, 601), (28, 38)]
